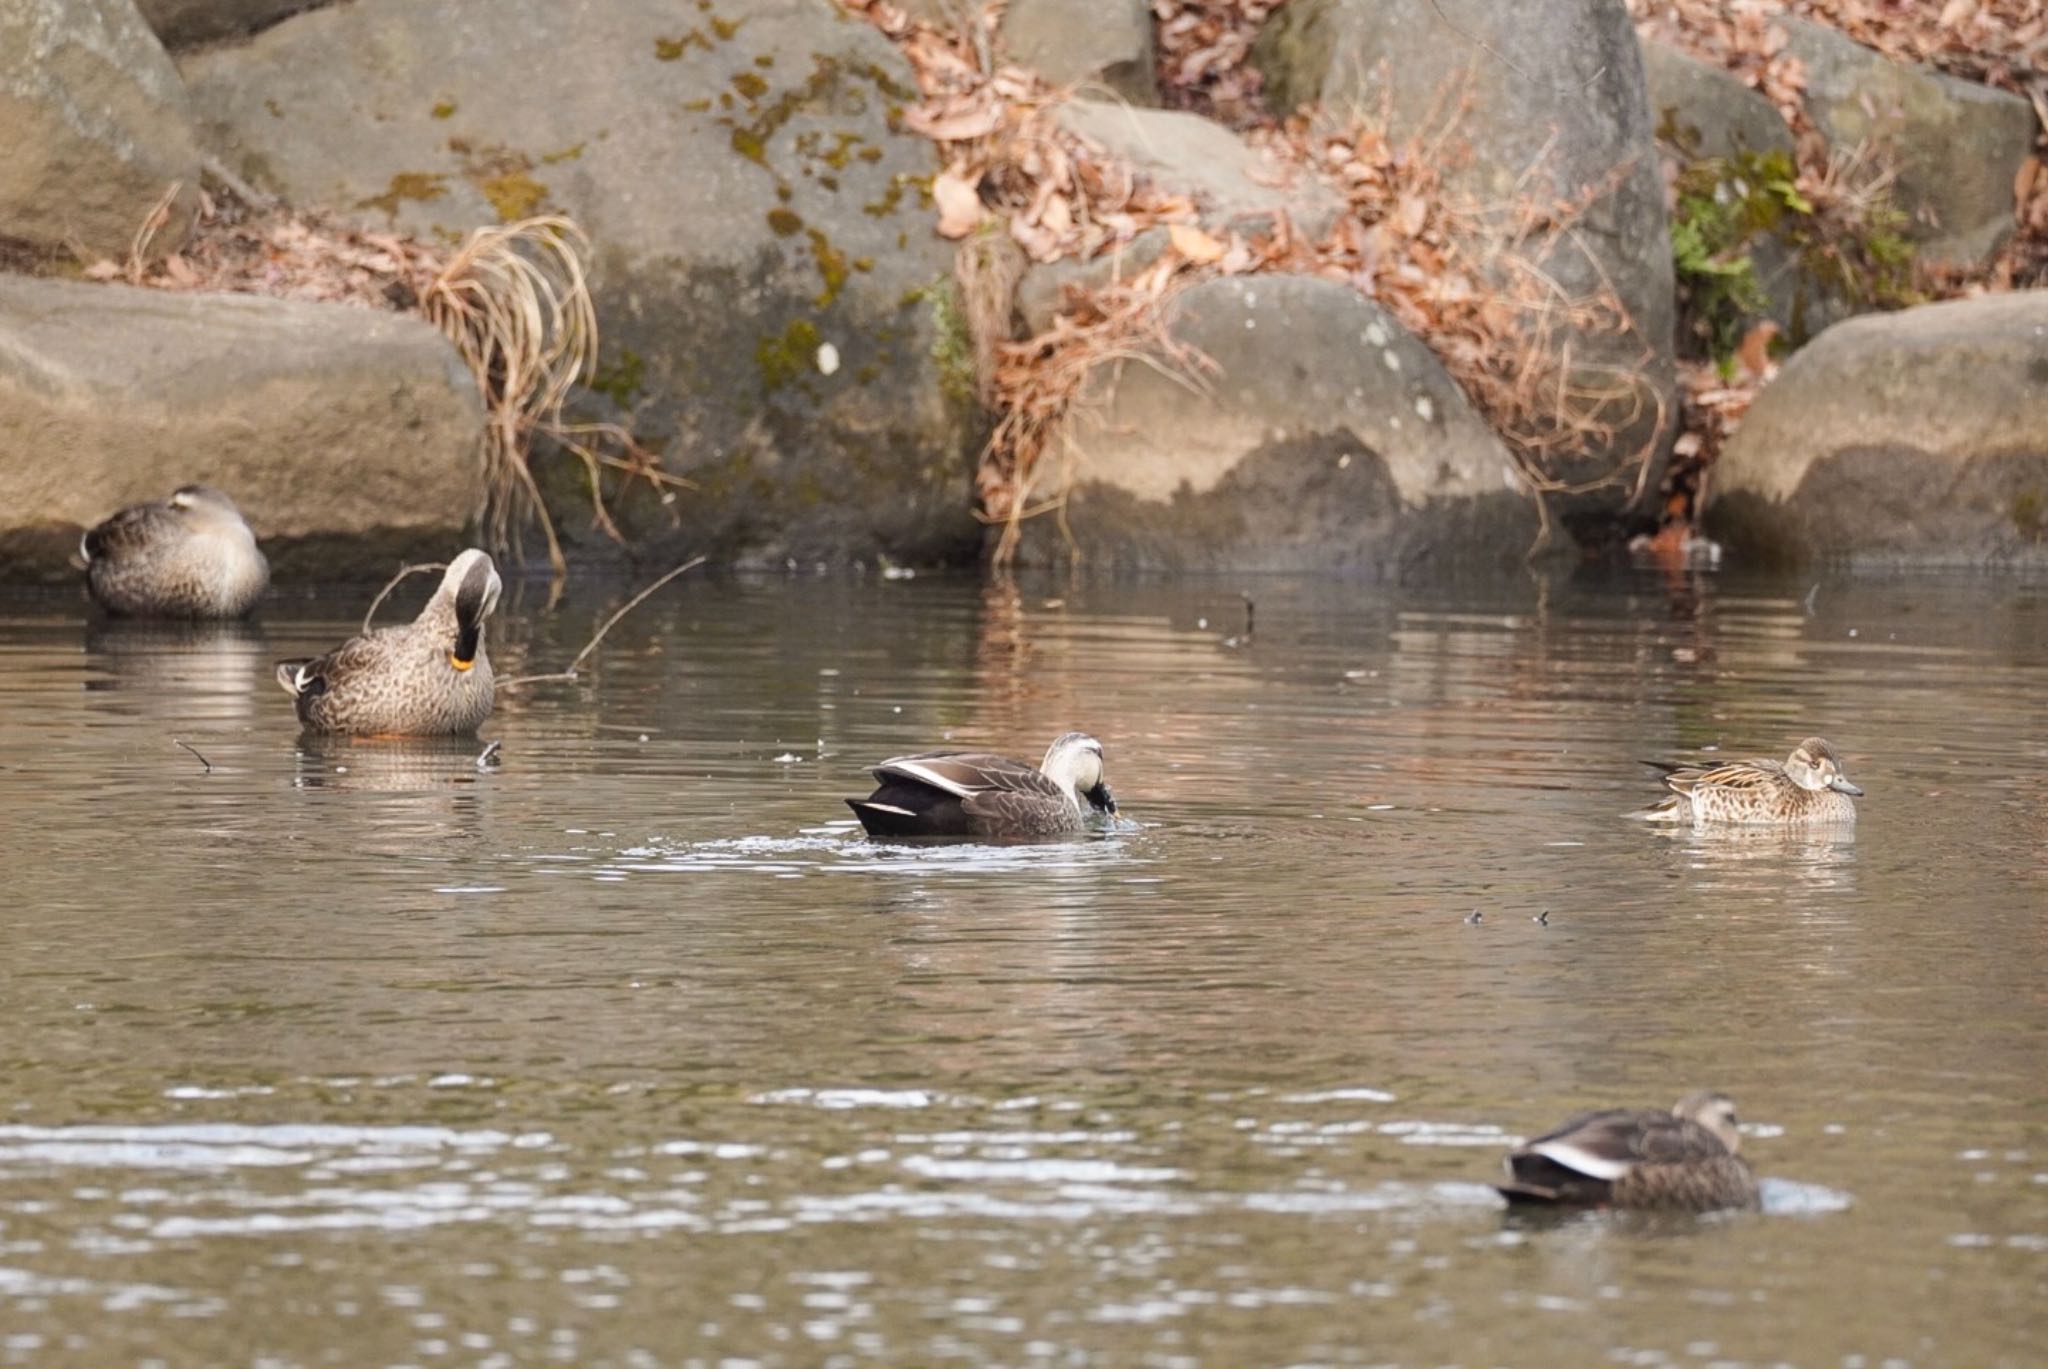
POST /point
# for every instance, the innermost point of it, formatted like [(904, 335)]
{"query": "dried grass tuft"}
[(513, 299)]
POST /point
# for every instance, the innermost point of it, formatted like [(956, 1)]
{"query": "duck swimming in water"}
[(1807, 786), (976, 794), (429, 678), (188, 556), (1683, 1160)]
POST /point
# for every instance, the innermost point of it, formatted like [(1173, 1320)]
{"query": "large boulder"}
[(1085, 43), (1702, 110), (1557, 111), (95, 127), (349, 437), (1958, 145), (1915, 436), (182, 23), (1325, 437), (777, 312)]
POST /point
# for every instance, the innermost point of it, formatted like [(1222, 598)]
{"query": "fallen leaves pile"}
[(283, 253), (1203, 62), (1467, 279)]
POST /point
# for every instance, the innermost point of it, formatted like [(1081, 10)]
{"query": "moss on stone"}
[(407, 185), (514, 195), (567, 154), (749, 85), (832, 267), (787, 357), (785, 223), (619, 377), (444, 110)]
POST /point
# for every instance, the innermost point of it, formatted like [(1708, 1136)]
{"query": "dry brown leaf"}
[(956, 193), (1194, 244)]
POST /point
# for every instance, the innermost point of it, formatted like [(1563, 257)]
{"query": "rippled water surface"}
[(630, 1050)]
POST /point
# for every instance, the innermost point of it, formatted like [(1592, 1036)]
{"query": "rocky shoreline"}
[(788, 329)]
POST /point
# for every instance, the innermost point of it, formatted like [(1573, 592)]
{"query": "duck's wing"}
[(1732, 775), (1606, 1145), (309, 679), (974, 777), (123, 534)]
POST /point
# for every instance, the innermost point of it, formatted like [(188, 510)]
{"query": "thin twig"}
[(489, 756), (392, 584), (590, 646), (195, 751)]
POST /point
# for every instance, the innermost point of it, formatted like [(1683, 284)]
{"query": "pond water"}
[(629, 1050)]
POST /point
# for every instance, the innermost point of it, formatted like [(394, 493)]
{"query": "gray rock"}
[(1701, 110), (1557, 88), (349, 438), (1959, 144), (95, 126), (1045, 284), (1328, 437), (777, 312), (1230, 182), (1917, 436), (1085, 43), (182, 23)]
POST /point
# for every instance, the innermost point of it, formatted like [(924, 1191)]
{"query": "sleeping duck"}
[(975, 794), (1683, 1160), (188, 556), (429, 678)]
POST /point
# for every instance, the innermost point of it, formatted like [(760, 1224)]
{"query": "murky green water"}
[(630, 1051)]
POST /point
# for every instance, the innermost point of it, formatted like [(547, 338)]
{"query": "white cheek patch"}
[(1581, 1161)]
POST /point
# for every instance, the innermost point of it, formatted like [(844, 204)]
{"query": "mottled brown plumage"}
[(1683, 1160), (428, 678), (1806, 787), (977, 794), (188, 556)]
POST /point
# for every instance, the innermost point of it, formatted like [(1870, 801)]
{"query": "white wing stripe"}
[(1581, 1161), (917, 770)]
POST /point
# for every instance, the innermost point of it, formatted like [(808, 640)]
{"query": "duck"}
[(1808, 786), (428, 678), (977, 794), (189, 555), (1683, 1160)]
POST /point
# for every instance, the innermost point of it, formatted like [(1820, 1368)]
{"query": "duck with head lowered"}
[(977, 794), (1683, 1160), (428, 678), (187, 556)]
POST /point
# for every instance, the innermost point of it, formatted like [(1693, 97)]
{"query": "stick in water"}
[(393, 583), (609, 623), (489, 757), (195, 751)]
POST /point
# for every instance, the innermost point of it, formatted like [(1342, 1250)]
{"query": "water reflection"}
[(633, 1041)]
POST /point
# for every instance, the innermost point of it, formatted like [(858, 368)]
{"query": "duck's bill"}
[(1101, 800), (1841, 785)]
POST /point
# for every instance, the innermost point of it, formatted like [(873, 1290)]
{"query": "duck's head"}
[(471, 587), (1074, 762), (1715, 1112), (204, 504), (1812, 765)]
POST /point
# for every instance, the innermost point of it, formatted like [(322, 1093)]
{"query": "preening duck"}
[(429, 678), (1683, 1160), (1807, 786), (975, 794), (188, 556)]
